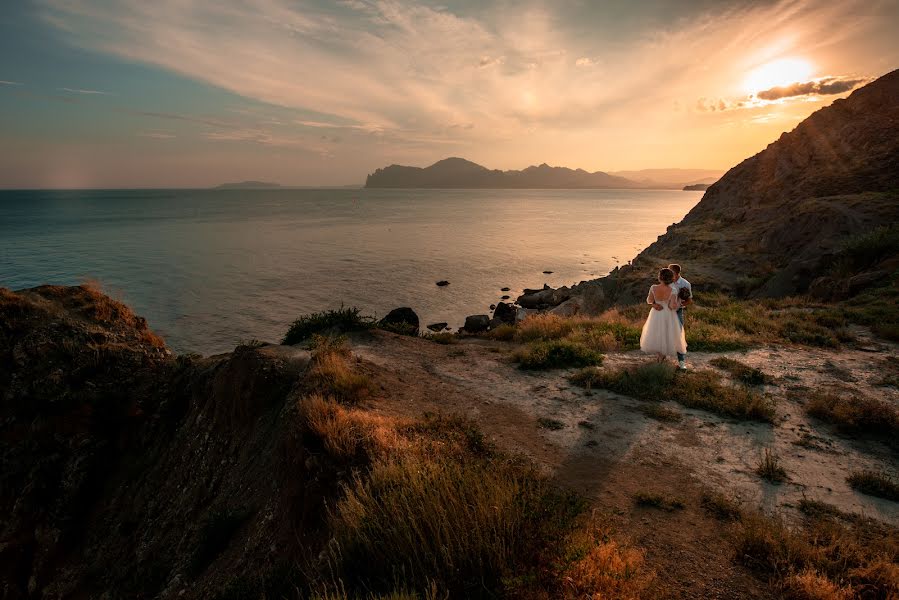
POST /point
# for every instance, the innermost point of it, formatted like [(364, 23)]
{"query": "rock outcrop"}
[(772, 223)]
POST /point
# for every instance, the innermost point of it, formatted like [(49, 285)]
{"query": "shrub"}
[(346, 435), (504, 333), (769, 467), (551, 424), (874, 484), (556, 354), (445, 337), (341, 320), (741, 372), (865, 250)]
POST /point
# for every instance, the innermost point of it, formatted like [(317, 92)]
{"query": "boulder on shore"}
[(476, 323), (403, 317), (504, 313), (437, 326), (545, 298), (524, 313)]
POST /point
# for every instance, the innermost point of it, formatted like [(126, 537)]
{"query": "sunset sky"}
[(169, 93)]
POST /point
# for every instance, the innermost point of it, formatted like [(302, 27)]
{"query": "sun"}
[(778, 73)]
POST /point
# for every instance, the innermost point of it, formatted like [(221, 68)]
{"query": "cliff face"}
[(460, 173), (770, 224), (122, 468)]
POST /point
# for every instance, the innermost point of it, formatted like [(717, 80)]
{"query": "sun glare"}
[(778, 73)]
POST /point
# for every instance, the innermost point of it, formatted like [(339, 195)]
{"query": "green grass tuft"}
[(341, 320)]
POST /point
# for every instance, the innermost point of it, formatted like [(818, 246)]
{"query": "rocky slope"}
[(772, 223), (461, 173)]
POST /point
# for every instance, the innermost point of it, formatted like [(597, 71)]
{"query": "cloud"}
[(397, 76), (821, 87), (81, 91), (2, 82)]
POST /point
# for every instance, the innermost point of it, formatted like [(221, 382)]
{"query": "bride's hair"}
[(666, 276)]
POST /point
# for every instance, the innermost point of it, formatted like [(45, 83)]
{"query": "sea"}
[(210, 269)]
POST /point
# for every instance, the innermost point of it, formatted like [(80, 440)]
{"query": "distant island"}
[(248, 185), (696, 187), (455, 173)]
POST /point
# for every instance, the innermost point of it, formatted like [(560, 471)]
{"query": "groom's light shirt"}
[(681, 283)]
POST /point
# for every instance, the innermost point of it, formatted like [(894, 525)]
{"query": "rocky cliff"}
[(124, 471), (771, 225)]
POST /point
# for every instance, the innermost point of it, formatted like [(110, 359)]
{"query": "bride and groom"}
[(663, 332)]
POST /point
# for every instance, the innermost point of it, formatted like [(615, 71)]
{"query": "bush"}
[(557, 354), (865, 250), (332, 322)]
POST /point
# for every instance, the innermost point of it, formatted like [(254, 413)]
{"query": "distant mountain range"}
[(460, 173), (248, 185)]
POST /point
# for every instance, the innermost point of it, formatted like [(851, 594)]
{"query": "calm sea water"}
[(211, 268)]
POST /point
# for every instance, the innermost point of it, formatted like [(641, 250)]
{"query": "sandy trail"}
[(607, 449), (717, 452)]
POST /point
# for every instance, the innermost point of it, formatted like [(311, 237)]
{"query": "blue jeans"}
[(680, 317)]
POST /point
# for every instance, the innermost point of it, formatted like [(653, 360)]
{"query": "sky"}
[(187, 93)]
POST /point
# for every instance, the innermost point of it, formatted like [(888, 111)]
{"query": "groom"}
[(679, 284)]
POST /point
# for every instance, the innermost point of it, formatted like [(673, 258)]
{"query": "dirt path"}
[(602, 445)]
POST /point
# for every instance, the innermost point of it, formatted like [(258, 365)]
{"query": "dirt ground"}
[(602, 445)]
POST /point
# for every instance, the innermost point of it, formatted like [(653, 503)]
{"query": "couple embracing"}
[(663, 332)]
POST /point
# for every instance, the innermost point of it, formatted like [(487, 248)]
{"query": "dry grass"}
[(470, 523), (769, 467), (349, 435), (656, 500), (854, 413), (693, 389), (875, 483), (740, 371), (660, 412), (830, 553), (601, 567), (332, 372), (721, 506), (556, 354)]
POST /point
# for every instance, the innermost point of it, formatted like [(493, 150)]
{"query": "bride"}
[(662, 333)]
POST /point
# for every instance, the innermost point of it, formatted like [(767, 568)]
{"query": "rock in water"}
[(443, 283), (505, 289), (476, 323), (403, 317), (437, 326)]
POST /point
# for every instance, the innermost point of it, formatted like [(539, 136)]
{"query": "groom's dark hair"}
[(675, 268)]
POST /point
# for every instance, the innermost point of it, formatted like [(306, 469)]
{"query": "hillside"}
[(461, 173), (773, 224)]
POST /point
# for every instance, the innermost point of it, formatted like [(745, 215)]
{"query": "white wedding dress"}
[(662, 332)]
